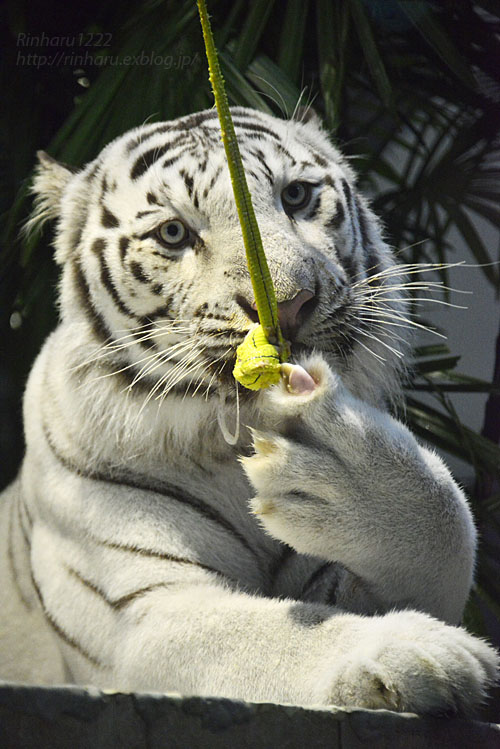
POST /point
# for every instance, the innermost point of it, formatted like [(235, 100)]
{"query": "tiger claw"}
[(297, 380)]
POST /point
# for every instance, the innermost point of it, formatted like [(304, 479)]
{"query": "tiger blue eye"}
[(173, 234), (296, 195)]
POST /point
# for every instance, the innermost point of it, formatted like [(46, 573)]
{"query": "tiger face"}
[(154, 262)]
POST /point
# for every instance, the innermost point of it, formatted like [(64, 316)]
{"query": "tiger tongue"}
[(298, 381)]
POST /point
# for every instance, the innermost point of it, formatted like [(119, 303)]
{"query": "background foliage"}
[(410, 88)]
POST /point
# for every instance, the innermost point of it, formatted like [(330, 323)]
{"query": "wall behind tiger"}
[(471, 334)]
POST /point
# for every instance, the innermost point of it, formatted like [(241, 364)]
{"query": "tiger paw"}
[(409, 662)]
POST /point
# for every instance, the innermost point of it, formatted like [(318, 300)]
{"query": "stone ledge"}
[(34, 717)]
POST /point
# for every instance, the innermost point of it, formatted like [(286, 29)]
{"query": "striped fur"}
[(140, 549)]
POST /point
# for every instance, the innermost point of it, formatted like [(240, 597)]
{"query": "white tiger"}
[(136, 552)]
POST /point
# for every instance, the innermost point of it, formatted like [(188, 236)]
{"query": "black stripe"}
[(148, 158), (373, 263), (148, 344), (193, 120), (350, 266), (122, 601), (331, 593), (336, 221), (347, 192), (214, 179), (141, 214), (108, 219), (12, 563), (61, 632), (20, 518), (138, 272), (320, 161), (188, 181), (286, 152), (142, 137), (152, 199), (99, 327), (93, 172), (266, 171), (280, 561), (168, 162), (169, 491), (253, 127), (126, 380), (363, 224), (200, 246), (314, 208), (314, 579), (123, 244), (153, 554), (202, 166), (98, 247), (352, 212)]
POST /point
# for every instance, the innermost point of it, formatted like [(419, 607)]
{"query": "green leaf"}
[(436, 365), (420, 15), (450, 387), (224, 32), (370, 50), (290, 55), (239, 90), (332, 38), (441, 430), (251, 32), (274, 84), (486, 597), (472, 619), (474, 241), (433, 349), (488, 210)]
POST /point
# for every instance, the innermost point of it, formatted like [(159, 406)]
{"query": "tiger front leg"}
[(342, 480)]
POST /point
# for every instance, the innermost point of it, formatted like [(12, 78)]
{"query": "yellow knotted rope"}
[(258, 361)]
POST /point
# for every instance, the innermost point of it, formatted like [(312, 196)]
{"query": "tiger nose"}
[(292, 313)]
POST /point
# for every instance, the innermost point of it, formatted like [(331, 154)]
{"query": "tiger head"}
[(154, 267)]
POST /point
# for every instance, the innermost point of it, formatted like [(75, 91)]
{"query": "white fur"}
[(142, 589)]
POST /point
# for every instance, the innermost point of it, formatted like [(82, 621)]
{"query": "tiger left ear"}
[(49, 182)]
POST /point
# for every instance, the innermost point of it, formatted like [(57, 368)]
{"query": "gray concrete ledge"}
[(74, 718)]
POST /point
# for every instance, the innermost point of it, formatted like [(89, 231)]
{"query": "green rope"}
[(255, 366)]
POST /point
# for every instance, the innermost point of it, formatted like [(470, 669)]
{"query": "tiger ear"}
[(305, 114), (49, 182)]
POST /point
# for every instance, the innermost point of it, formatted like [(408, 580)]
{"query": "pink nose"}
[(292, 313)]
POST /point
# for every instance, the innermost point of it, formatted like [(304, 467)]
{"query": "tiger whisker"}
[(406, 269), (183, 347), (393, 315), (103, 351), (162, 380), (412, 286), (181, 375), (389, 333), (373, 337), (373, 353), (160, 359), (212, 363)]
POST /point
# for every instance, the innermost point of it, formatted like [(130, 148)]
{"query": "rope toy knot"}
[(258, 363)]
